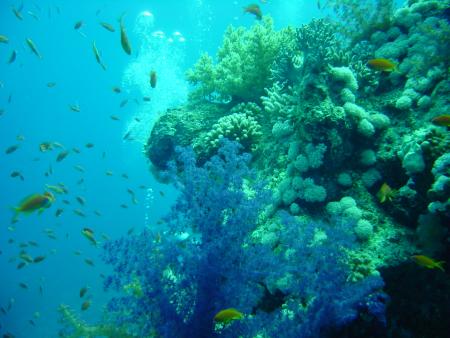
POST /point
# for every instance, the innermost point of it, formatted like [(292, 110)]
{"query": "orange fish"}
[(442, 120), (255, 10), (428, 262), (153, 79), (386, 193), (383, 65), (35, 202)]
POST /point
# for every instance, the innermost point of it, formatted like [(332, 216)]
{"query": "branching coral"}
[(76, 328), (277, 103), (243, 63), (359, 19), (315, 40)]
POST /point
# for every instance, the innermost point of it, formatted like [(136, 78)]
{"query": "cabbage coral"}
[(243, 63)]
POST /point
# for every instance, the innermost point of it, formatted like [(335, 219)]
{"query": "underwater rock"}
[(179, 127)]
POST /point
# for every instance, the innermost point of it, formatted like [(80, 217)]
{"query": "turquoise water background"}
[(40, 114)]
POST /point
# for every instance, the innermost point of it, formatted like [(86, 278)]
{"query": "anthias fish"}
[(107, 26), (428, 262), (383, 65), (35, 202), (255, 10), (153, 78), (442, 120), (228, 315), (124, 38), (97, 56), (33, 48)]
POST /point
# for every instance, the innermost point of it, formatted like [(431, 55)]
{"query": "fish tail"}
[(439, 265), (16, 211), (120, 18)]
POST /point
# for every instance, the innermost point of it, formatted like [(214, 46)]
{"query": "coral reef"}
[(329, 136)]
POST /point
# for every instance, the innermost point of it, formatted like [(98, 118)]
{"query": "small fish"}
[(23, 286), (59, 189), (97, 56), (62, 155), (12, 57), (33, 243), (89, 262), (75, 108), (45, 146), (83, 291), (382, 65), (31, 322), (105, 237), (107, 26), (318, 5), (134, 200), (77, 253), (124, 206), (123, 103), (25, 257), (124, 38), (85, 305), (59, 212), (80, 181), (115, 118), (109, 173), (38, 259), (81, 200), (442, 120), (228, 315), (33, 47), (97, 213), (130, 191), (142, 187), (52, 236), (17, 13), (130, 231), (35, 202), (146, 99), (161, 193), (255, 10), (386, 193), (428, 262), (4, 39), (20, 138), (116, 90), (33, 15), (127, 137), (89, 145), (17, 174), (125, 176), (79, 168), (51, 84), (78, 25), (21, 265), (79, 213), (153, 79), (12, 148), (66, 202), (76, 150)]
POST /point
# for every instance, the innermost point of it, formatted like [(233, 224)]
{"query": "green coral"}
[(236, 127), (243, 67)]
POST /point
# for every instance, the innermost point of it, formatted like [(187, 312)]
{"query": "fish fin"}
[(439, 265), (120, 18)]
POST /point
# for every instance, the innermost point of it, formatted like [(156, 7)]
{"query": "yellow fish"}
[(35, 202), (383, 65), (228, 315), (386, 193), (428, 262)]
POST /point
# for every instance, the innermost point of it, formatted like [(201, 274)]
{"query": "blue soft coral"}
[(186, 281)]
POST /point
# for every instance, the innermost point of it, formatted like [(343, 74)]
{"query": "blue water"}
[(39, 114)]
